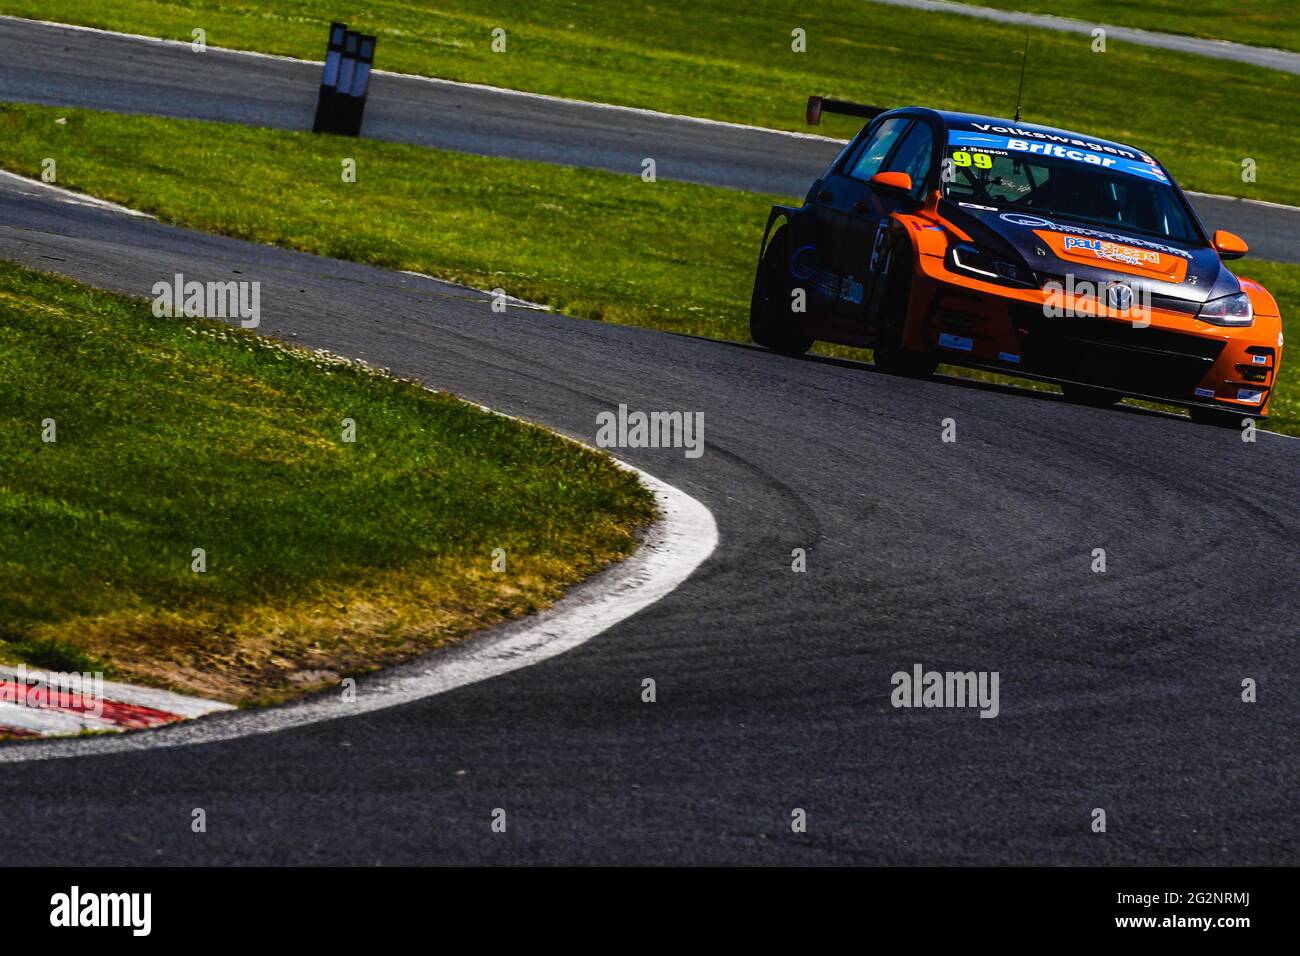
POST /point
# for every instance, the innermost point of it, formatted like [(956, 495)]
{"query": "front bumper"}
[(1168, 356)]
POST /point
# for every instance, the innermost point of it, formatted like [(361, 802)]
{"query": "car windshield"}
[(1049, 179)]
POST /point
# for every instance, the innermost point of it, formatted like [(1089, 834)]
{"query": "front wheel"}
[(890, 355), (771, 319)]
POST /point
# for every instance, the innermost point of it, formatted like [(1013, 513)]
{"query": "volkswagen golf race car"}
[(949, 237)]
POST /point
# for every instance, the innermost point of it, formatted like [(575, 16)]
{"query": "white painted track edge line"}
[(462, 84), (50, 720), (183, 705), (1243, 199), (510, 299), (674, 546), (72, 196), (75, 198), (1157, 39), (505, 91)]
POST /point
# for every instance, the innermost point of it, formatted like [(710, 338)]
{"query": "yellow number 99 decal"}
[(981, 160)]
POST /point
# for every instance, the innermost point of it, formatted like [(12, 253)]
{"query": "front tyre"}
[(771, 320), (890, 355)]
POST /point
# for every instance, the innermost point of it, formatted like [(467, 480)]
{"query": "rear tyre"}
[(1090, 395), (1211, 416), (771, 321), (890, 355)]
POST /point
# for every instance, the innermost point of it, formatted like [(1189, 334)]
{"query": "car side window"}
[(914, 156), (877, 148)]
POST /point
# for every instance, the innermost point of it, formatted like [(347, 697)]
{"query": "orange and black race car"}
[(949, 237)]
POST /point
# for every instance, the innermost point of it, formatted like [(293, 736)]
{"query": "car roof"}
[(955, 120)]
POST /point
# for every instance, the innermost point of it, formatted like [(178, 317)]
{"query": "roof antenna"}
[(1023, 60)]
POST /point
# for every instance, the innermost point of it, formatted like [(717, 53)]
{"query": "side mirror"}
[(896, 182), (814, 112), (1229, 246)]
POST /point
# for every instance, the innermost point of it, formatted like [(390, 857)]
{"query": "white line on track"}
[(517, 302), (455, 84), (673, 548), (81, 199), (540, 96), (48, 720), (1269, 58), (1243, 199), (76, 199)]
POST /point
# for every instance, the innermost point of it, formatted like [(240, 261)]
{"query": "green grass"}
[(726, 60), (592, 244), (323, 557), (1273, 23), (671, 256), (49, 654)]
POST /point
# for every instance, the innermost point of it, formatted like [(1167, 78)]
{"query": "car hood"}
[(1177, 274)]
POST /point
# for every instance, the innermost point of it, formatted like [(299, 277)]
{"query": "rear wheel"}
[(771, 319), (890, 355), (1090, 395)]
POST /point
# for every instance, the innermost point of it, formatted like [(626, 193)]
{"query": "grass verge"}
[(731, 61), (592, 244), (323, 557), (672, 256)]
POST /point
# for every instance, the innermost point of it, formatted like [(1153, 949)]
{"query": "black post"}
[(345, 82)]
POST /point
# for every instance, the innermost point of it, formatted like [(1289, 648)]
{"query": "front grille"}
[(950, 321), (1115, 354), (1171, 303)]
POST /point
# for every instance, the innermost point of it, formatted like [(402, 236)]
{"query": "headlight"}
[(970, 258), (1228, 310)]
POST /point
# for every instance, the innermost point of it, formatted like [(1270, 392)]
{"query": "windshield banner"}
[(1012, 144)]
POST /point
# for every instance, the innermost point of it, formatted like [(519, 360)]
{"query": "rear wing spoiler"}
[(817, 105)]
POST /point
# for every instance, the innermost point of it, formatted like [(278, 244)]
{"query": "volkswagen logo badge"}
[(1119, 296)]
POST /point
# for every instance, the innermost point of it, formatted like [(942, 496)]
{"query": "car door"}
[(837, 208), (865, 211), (864, 246)]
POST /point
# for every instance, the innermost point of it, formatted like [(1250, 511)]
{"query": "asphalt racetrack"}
[(1118, 690)]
